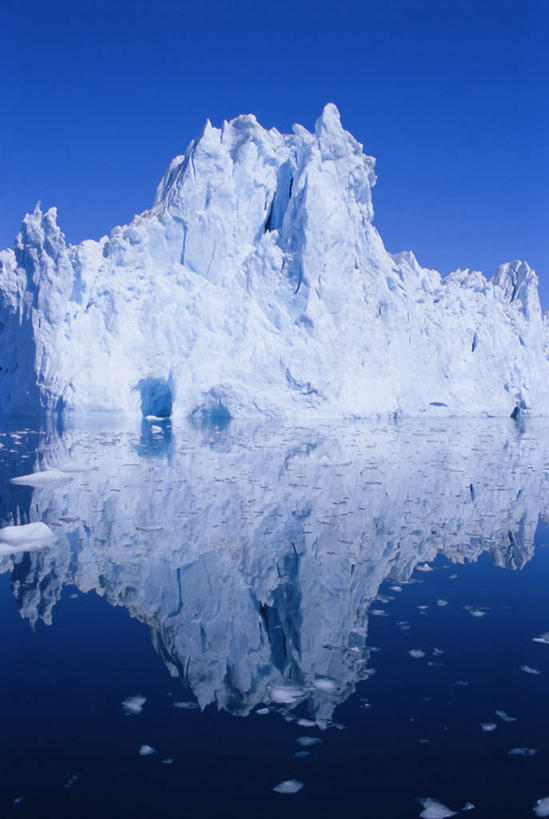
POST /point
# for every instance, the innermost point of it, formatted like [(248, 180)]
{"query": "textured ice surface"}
[(290, 786), (257, 284), (542, 807)]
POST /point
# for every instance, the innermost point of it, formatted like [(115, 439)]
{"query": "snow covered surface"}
[(258, 285), (25, 538)]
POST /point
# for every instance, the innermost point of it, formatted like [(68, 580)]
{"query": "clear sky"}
[(451, 96)]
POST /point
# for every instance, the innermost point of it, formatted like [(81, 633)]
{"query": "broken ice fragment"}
[(25, 538), (288, 786), (433, 809), (522, 751), (543, 638), (307, 742), (488, 726), (529, 670), (505, 717), (185, 706), (133, 705), (146, 750), (324, 684), (286, 694), (417, 653), (168, 761), (542, 807)]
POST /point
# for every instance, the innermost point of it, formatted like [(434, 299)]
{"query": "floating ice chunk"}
[(70, 467), (263, 711), (324, 684), (542, 807), (155, 428), (168, 761), (134, 705), (424, 568), (70, 782), (543, 638), (185, 706), (442, 603), (433, 809), (146, 750), (286, 694), (522, 751), (149, 528), (17, 800), (438, 651), (468, 806), (488, 726), (25, 538), (417, 653), (505, 717), (306, 723), (289, 786), (379, 612), (396, 588), (475, 612), (49, 477), (529, 670), (307, 742)]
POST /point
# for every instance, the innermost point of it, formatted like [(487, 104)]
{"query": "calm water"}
[(364, 596)]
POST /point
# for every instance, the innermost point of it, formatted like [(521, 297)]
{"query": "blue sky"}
[(451, 96)]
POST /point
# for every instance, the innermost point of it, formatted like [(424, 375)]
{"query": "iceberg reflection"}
[(255, 555)]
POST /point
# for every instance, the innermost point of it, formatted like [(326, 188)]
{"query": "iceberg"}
[(257, 285)]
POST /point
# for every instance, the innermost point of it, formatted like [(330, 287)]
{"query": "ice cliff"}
[(257, 284)]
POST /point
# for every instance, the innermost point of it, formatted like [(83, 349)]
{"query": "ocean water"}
[(267, 621)]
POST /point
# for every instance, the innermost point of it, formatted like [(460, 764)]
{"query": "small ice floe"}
[(442, 603), (416, 653), (308, 742), (324, 684), (542, 638), (529, 670), (156, 428), (541, 807), (488, 727), (149, 528), (146, 750), (302, 754), (468, 806), (286, 694), (424, 568), (522, 751), (188, 706), (71, 780), (433, 809), (306, 723), (505, 717), (133, 705), (49, 477), (17, 800), (263, 711), (396, 588), (289, 786), (168, 761), (475, 612), (438, 651), (25, 538), (378, 612)]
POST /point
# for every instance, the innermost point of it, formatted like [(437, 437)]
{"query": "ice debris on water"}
[(186, 706), (302, 754), (307, 742), (528, 669), (541, 807), (417, 653), (324, 684), (306, 723), (522, 751), (442, 603), (288, 786), (263, 711), (71, 780), (424, 568), (505, 717), (286, 694), (133, 705), (25, 538), (146, 750), (488, 727), (168, 761), (542, 638), (433, 809)]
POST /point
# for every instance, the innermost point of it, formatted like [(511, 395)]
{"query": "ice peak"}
[(329, 121)]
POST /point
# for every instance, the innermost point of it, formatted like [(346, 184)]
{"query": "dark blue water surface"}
[(244, 579)]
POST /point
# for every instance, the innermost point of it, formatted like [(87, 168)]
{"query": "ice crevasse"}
[(257, 284)]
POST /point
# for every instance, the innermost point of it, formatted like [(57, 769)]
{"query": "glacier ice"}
[(257, 284)]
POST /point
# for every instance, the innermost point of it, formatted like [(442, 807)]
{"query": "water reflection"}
[(255, 555)]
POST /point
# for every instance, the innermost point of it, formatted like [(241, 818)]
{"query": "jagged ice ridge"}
[(257, 284)]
